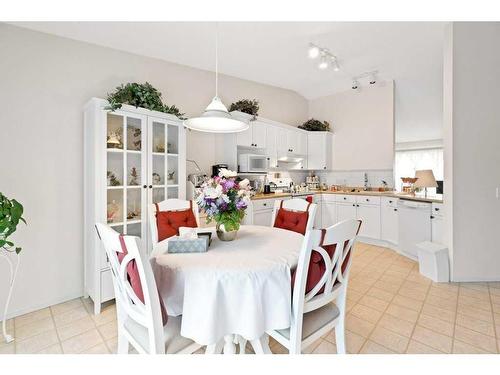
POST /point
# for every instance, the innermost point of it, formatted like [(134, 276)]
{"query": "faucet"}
[(366, 181)]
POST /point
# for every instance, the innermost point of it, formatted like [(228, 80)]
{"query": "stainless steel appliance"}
[(253, 163), (217, 167)]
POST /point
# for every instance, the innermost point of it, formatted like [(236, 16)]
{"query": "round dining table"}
[(240, 287)]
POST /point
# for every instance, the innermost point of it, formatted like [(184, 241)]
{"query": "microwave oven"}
[(252, 163)]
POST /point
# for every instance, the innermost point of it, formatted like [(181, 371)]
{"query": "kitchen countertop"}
[(391, 194)]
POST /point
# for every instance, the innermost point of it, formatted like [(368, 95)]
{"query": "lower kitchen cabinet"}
[(328, 214), (437, 223), (346, 211), (370, 218), (389, 222), (263, 218)]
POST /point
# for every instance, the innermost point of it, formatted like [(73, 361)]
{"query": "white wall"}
[(363, 124), (44, 82), (472, 149)]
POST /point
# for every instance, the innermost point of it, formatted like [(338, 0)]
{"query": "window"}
[(408, 161)]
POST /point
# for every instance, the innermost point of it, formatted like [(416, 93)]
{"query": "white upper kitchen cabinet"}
[(254, 137), (272, 145), (319, 150)]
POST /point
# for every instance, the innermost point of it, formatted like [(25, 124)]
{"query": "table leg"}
[(261, 346)]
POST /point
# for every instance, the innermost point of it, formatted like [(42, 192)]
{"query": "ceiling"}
[(275, 53)]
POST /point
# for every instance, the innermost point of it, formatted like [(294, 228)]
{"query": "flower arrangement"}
[(224, 200)]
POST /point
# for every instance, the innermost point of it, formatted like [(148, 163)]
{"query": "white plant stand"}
[(13, 267)]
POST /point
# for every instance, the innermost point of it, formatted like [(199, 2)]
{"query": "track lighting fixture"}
[(370, 76), (313, 51), (327, 58)]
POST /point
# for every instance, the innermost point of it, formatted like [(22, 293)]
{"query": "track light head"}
[(313, 51), (323, 63), (373, 79), (335, 64)]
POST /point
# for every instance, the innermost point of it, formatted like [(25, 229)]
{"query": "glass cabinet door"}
[(164, 145), (125, 172)]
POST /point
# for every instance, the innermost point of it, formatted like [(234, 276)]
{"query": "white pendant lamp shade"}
[(216, 119)]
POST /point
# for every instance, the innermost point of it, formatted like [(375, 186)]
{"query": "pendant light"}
[(216, 118)]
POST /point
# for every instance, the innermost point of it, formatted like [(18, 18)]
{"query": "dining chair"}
[(294, 214), (319, 308), (169, 205), (138, 306)]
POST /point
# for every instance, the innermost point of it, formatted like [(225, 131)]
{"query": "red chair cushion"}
[(169, 222), (317, 267), (292, 220), (135, 280)]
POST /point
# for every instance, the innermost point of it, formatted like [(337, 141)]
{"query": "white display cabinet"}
[(132, 157)]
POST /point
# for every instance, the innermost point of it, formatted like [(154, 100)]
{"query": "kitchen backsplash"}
[(348, 178)]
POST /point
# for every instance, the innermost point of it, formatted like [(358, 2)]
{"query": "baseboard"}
[(55, 301), (389, 245)]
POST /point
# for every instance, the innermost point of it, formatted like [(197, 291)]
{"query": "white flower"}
[(227, 173), (243, 184), (213, 193)]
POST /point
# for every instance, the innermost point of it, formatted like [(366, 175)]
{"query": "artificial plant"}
[(314, 125), (140, 95), (11, 212), (247, 106)]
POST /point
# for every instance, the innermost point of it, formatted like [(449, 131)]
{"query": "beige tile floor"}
[(391, 309)]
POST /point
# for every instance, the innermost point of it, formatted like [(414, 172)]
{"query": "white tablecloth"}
[(237, 287)]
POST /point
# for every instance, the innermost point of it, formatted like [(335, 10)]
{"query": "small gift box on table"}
[(189, 241), (188, 245)]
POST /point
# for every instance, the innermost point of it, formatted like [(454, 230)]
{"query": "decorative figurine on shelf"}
[(156, 179), (133, 214), (170, 176), (112, 180), (114, 139), (112, 209), (160, 146), (170, 148), (134, 177), (134, 138)]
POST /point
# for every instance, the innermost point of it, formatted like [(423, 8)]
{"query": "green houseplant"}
[(247, 106), (11, 212), (314, 125), (140, 95)]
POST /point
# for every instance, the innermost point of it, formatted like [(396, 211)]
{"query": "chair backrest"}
[(169, 205), (296, 204), (340, 239), (129, 306)]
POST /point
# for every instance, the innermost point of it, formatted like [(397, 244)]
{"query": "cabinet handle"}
[(345, 198), (264, 204), (354, 205), (395, 209), (144, 186), (150, 186), (324, 167), (268, 158), (367, 200), (357, 205), (390, 201), (432, 217), (437, 209), (255, 145)]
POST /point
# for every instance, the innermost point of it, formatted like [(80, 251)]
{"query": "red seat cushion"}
[(169, 222), (292, 220), (135, 280)]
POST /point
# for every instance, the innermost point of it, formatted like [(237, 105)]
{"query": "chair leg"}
[(214, 348), (123, 344), (242, 343)]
